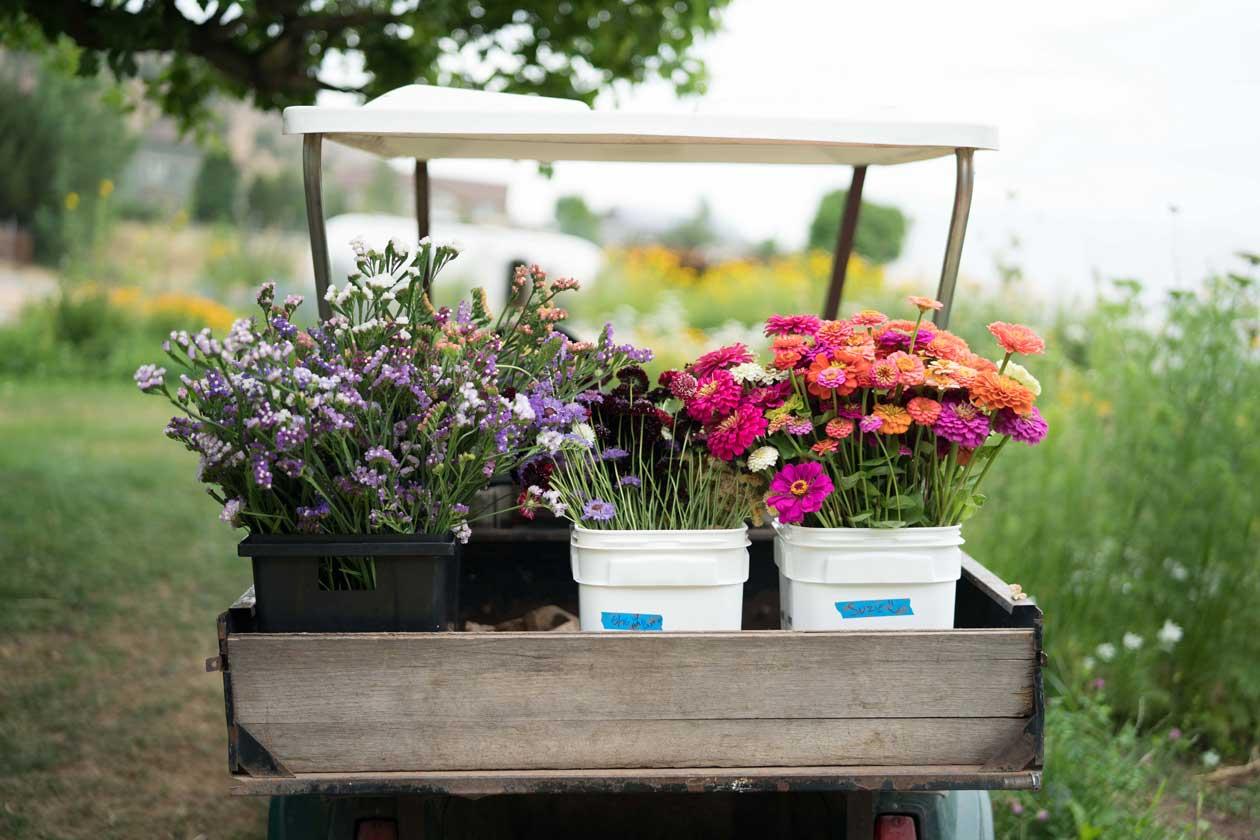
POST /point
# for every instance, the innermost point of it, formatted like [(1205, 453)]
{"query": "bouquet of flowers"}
[(878, 423), (391, 415), (638, 463)]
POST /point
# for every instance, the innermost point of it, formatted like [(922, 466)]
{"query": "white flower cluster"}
[(763, 458)]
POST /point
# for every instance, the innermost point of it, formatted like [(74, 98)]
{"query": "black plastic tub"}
[(416, 586)]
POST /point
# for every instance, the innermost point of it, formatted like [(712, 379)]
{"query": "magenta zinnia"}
[(962, 423), (723, 357), (1030, 430), (716, 395), (792, 324), (797, 490), (735, 433)]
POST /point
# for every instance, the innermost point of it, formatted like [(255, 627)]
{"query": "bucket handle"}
[(779, 527)]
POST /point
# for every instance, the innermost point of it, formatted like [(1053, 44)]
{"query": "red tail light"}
[(376, 829), (895, 827)]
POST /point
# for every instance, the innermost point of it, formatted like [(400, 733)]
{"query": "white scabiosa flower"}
[(1132, 641), (1169, 634), (521, 407), (763, 458), (584, 433), (1106, 651), (551, 440)]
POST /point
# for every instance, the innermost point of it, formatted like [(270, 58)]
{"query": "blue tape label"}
[(874, 609), (631, 621)]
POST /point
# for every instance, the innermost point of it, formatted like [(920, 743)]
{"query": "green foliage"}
[(214, 191), (692, 233), (61, 139), (276, 201), (576, 218), (272, 50), (881, 228), (383, 193)]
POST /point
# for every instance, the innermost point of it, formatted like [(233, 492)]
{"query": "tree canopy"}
[(881, 228), (274, 51)]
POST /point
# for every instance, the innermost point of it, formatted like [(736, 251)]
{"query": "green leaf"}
[(860, 517)]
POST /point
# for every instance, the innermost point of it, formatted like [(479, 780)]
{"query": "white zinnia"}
[(1021, 375), (1132, 641), (748, 372), (1106, 651), (763, 458), (1169, 634)]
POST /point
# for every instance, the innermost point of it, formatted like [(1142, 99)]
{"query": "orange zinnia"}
[(833, 333), (825, 377), (839, 428), (946, 345), (925, 303), (869, 318), (923, 410), (1016, 338), (992, 391), (896, 419), (824, 446), (788, 350)]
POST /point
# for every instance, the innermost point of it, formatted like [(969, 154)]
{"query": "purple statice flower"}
[(870, 423), (150, 378), (599, 510), (380, 455), (182, 428), (292, 435), (215, 385), (292, 467), (283, 328), (231, 513), (590, 397), (630, 481), (262, 470), (309, 516), (962, 423), (367, 478), (614, 453), (1030, 430)]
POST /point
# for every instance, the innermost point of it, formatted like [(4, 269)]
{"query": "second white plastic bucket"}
[(660, 580), (867, 578)]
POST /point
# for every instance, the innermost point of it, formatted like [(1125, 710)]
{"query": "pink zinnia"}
[(871, 423), (735, 433), (793, 324), (723, 357), (798, 489), (772, 396), (885, 373), (800, 426), (716, 395), (910, 368)]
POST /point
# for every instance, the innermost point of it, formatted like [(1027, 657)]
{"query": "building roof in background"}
[(428, 123)]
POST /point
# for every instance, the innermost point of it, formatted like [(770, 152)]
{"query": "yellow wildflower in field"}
[(106, 188), (194, 310), (72, 201)]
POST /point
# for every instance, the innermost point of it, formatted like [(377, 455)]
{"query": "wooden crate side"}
[(387, 678), (496, 745)]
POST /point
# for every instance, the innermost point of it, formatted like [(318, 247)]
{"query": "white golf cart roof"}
[(428, 123)]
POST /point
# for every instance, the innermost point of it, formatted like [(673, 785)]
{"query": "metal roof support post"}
[(423, 213), (957, 230), (844, 243), (312, 177)]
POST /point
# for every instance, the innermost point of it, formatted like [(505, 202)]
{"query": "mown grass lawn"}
[(114, 568)]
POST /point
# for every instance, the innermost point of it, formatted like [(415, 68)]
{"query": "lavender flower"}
[(231, 513), (1031, 430), (630, 481), (150, 378)]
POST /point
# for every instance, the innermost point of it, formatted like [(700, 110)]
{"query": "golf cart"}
[(764, 732)]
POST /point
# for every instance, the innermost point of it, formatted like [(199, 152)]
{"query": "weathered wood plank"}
[(505, 677), (669, 780), (362, 747)]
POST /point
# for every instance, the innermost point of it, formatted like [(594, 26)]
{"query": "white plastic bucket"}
[(660, 580), (867, 578)]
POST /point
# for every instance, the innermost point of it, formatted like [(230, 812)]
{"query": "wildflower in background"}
[(896, 420), (793, 325), (723, 357), (599, 510), (1017, 807), (72, 201), (1042, 816), (1017, 338), (1132, 641), (797, 490), (994, 391), (962, 423), (1174, 734), (1087, 664), (923, 410), (925, 304), (1211, 758), (106, 188), (1169, 634), (1099, 683), (733, 435), (1030, 430), (763, 458), (1106, 651)]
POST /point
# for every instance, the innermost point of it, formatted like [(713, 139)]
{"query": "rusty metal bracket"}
[(255, 759)]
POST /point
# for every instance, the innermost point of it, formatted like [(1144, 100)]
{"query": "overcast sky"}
[(1109, 114)]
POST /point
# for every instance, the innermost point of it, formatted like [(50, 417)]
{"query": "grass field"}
[(114, 568)]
